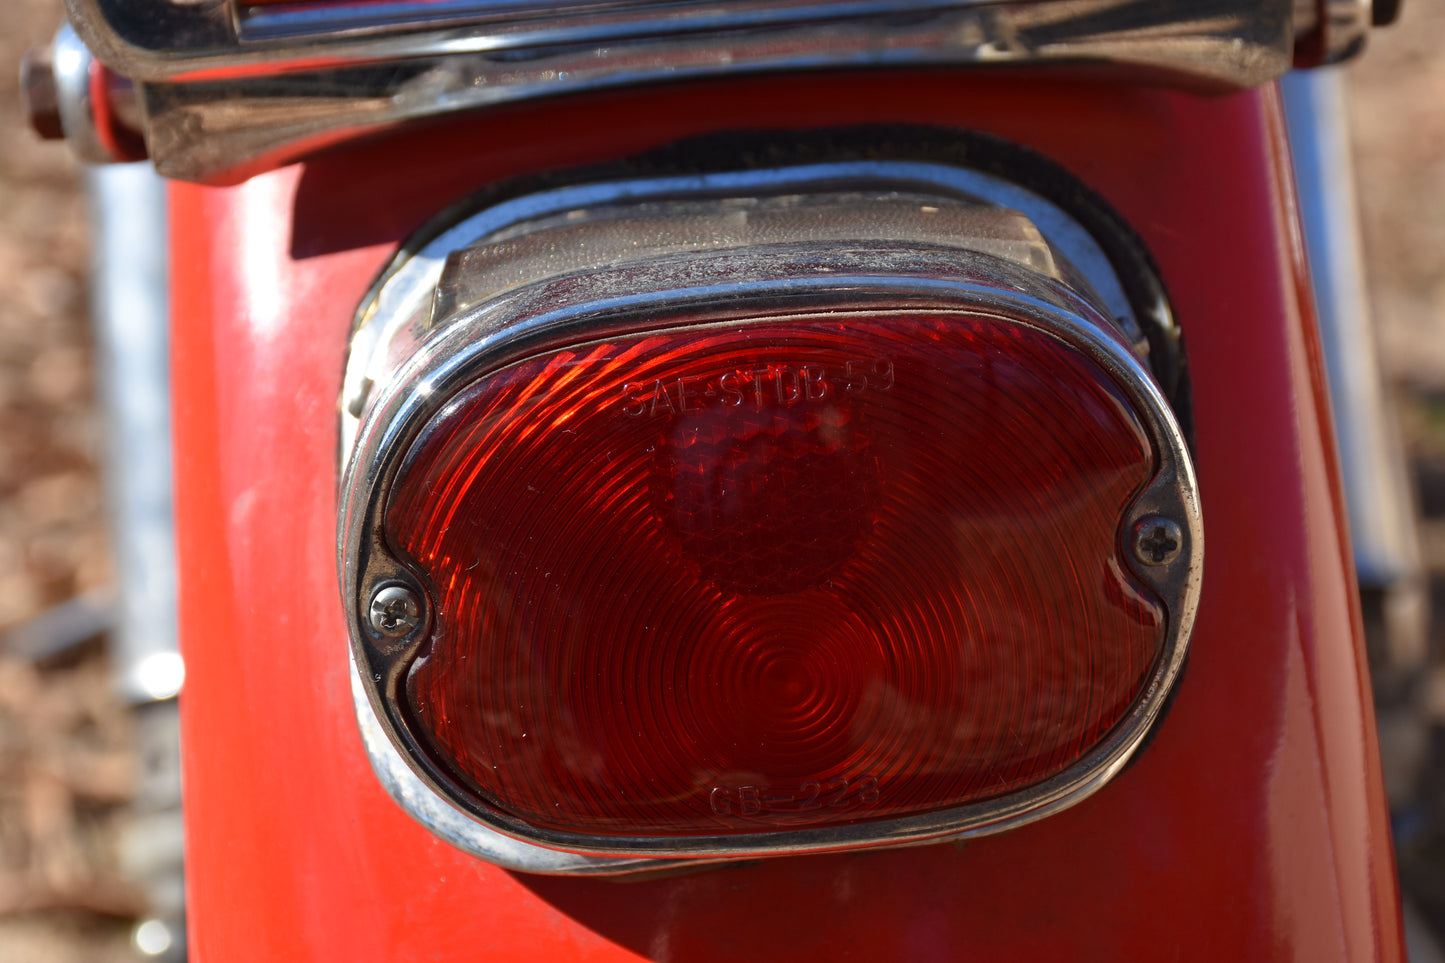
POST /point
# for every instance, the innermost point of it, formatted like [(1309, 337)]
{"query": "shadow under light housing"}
[(760, 512)]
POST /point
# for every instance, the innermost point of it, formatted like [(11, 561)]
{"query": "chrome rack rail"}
[(216, 90)]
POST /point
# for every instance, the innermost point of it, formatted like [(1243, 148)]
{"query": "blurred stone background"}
[(65, 757)]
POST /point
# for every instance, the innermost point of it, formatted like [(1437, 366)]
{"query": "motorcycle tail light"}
[(737, 526), (787, 574)]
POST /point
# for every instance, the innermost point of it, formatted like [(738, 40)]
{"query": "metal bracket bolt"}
[(395, 611), (1157, 540)]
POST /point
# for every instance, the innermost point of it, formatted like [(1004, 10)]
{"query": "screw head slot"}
[(1157, 540), (395, 611)]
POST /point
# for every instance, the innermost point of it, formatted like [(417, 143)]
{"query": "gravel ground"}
[(65, 761), (65, 758), (1399, 119)]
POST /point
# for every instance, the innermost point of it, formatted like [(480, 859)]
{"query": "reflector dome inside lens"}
[(783, 574)]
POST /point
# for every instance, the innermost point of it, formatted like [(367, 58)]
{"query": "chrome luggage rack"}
[(221, 89)]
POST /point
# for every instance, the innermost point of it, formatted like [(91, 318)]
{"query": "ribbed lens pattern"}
[(795, 573)]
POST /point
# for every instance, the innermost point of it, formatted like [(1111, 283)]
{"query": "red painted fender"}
[(1254, 826)]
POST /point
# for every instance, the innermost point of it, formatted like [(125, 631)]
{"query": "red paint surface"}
[(1252, 828)]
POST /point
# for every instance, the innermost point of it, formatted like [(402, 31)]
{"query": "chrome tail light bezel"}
[(404, 367)]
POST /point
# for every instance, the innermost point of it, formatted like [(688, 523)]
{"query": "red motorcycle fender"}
[(1254, 826)]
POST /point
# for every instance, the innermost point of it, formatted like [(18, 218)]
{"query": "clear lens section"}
[(789, 574)]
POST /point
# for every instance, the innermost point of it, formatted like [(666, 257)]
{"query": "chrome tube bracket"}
[(231, 88)]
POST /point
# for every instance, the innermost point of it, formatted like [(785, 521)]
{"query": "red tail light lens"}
[(775, 575)]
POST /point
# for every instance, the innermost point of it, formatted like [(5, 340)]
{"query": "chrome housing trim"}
[(431, 809), (404, 367), (73, 64), (1225, 40), (401, 302), (231, 90)]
